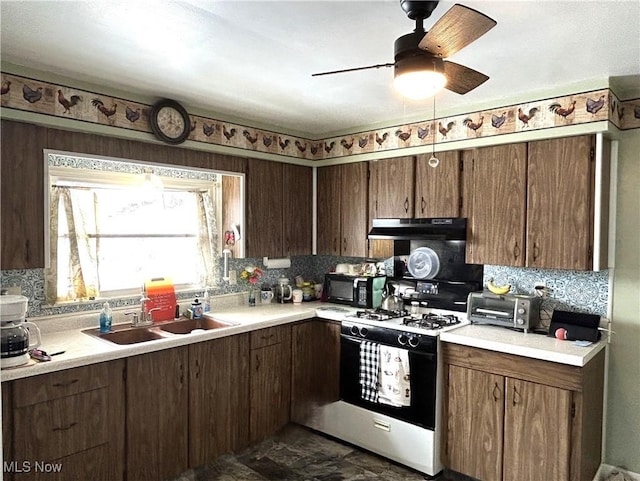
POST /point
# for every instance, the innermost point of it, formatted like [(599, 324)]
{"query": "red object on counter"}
[(561, 334)]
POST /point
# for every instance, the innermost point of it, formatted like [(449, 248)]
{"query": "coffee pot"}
[(17, 336), (284, 291)]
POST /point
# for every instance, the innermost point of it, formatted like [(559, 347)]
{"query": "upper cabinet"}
[(560, 203), (495, 204), (392, 187), (342, 212), (279, 213), (22, 206), (537, 204), (438, 189)]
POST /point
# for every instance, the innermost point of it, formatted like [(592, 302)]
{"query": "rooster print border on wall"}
[(27, 94)]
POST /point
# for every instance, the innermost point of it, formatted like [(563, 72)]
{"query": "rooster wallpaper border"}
[(32, 95)]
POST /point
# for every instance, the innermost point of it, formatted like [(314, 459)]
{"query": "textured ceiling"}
[(252, 61)]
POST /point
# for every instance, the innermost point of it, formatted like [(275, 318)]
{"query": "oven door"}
[(422, 367)]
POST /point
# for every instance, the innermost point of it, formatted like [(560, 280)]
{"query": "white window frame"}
[(187, 177)]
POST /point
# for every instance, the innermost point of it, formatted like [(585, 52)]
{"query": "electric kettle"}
[(16, 334)]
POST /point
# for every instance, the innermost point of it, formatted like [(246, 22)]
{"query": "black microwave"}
[(357, 291)]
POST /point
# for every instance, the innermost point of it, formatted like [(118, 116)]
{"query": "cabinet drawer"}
[(36, 389), (61, 427), (269, 336)]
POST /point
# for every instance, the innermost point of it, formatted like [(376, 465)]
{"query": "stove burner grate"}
[(432, 321), (380, 314)]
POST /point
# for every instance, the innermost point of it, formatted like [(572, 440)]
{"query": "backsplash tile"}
[(580, 291)]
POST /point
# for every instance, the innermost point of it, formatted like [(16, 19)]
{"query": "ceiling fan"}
[(419, 66)]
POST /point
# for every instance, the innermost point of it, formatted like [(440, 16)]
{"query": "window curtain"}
[(208, 238), (82, 258)]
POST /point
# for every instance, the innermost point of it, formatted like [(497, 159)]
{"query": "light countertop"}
[(64, 333), (536, 346), (81, 349)]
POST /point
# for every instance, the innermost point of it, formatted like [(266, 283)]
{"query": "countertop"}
[(64, 333), (81, 349), (536, 346)]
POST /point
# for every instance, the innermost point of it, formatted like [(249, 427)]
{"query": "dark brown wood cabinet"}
[(218, 398), (509, 417), (67, 424), (533, 205), (157, 387), (438, 189), (298, 210), (279, 212), (270, 381), (560, 203), (342, 210), (497, 206), (392, 188), (22, 207), (315, 368)]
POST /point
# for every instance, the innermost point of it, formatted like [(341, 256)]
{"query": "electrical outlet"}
[(14, 290), (233, 278), (540, 289)]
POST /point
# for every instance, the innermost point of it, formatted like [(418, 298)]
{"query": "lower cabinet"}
[(270, 381), (157, 414), (66, 425), (509, 417), (218, 398), (315, 368)]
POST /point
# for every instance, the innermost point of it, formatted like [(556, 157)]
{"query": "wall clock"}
[(170, 121)]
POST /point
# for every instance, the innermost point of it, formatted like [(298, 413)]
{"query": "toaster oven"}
[(515, 311)]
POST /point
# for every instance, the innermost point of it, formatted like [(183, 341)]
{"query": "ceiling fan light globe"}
[(419, 84)]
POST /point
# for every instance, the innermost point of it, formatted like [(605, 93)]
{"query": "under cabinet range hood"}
[(444, 228)]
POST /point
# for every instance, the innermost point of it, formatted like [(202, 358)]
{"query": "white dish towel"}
[(394, 387)]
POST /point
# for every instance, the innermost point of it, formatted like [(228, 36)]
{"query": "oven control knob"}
[(414, 341), (364, 331), (521, 310), (354, 330), (402, 339), (520, 321)]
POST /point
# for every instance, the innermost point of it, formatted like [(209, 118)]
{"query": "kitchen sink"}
[(128, 335), (124, 334), (186, 326)]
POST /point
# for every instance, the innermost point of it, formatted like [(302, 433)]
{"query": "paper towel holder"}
[(279, 263)]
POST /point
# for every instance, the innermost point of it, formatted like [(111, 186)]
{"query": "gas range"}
[(429, 323)]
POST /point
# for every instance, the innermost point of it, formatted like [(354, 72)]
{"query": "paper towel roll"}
[(282, 263)]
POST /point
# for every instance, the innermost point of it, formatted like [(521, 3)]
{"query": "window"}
[(115, 224)]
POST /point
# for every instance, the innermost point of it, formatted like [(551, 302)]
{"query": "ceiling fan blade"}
[(455, 30), (461, 79), (354, 69)]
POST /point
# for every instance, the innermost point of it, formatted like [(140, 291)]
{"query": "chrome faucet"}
[(145, 317)]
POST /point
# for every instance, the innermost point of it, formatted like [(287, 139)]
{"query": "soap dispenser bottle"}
[(106, 317)]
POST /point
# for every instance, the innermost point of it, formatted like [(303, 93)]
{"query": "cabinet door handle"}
[(496, 392), (335, 244), (197, 369), (536, 251), (516, 396), (257, 363), (406, 204), (516, 251), (65, 428), (423, 204), (65, 384), (344, 245)]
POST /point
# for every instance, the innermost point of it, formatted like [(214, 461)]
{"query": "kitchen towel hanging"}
[(394, 387), (369, 365)]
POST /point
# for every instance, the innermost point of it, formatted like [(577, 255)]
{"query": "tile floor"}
[(299, 454)]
